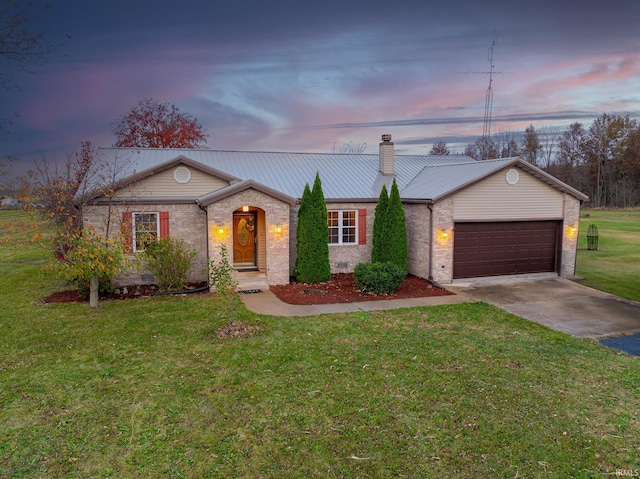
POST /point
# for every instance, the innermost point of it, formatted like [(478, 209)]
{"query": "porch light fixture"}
[(220, 229), (571, 229), (444, 234), (245, 208), (278, 229)]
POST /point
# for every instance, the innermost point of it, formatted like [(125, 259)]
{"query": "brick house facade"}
[(249, 201)]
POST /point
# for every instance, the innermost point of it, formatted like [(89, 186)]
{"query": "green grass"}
[(615, 266), (144, 388)]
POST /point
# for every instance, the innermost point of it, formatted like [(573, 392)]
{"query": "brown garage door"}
[(514, 247)]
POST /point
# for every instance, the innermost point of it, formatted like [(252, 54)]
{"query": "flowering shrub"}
[(169, 260)]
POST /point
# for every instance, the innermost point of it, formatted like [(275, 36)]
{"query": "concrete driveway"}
[(556, 302)]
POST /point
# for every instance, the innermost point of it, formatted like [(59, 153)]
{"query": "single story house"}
[(465, 218)]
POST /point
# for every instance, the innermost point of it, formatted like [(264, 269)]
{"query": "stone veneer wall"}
[(442, 249), (569, 240), (276, 212), (418, 239), (187, 222)]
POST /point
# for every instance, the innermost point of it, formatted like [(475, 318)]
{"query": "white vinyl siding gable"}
[(164, 184), (495, 199)]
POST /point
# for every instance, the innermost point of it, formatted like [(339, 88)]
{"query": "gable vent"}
[(512, 177), (182, 174)]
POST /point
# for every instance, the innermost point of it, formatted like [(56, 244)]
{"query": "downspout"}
[(430, 241), (206, 234), (575, 256)]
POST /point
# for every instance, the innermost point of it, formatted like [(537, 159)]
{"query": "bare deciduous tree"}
[(530, 146), (350, 148), (22, 45), (440, 148)]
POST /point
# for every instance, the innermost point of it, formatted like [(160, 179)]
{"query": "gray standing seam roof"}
[(343, 176)]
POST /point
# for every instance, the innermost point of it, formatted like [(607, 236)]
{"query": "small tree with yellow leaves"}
[(92, 262)]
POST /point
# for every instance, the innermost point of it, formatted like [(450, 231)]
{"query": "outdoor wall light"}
[(220, 229), (444, 234), (571, 229), (245, 208), (278, 229)]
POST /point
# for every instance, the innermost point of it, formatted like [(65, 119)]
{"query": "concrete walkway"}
[(556, 302), (266, 302)]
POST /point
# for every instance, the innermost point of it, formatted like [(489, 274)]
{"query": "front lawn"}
[(615, 266), (144, 388)]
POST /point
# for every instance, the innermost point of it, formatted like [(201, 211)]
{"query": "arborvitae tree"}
[(396, 227), (302, 233), (322, 267), (379, 230), (312, 260)]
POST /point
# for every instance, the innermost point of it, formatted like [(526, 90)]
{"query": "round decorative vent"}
[(512, 176), (182, 174)]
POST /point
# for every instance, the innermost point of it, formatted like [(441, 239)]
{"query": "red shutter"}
[(164, 224), (126, 228), (362, 226)]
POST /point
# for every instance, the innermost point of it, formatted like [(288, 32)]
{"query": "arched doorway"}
[(245, 239)]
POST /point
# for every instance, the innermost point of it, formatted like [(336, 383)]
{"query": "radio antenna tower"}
[(488, 102)]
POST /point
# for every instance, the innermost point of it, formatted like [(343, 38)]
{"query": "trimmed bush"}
[(169, 260), (378, 278)]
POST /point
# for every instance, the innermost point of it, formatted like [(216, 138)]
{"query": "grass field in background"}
[(144, 388), (615, 266)]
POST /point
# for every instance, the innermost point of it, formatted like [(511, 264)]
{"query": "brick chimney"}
[(386, 155)]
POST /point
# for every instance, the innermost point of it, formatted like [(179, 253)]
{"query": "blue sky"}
[(298, 76)]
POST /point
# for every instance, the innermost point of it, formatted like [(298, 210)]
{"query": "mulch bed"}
[(341, 288), (130, 292)]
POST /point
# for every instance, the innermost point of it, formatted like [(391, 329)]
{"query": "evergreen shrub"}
[(378, 278)]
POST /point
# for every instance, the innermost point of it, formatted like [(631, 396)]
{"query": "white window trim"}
[(134, 236), (340, 227)]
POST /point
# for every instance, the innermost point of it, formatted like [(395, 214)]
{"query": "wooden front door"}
[(244, 240)]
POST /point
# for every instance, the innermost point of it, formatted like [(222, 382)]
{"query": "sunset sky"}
[(305, 76)]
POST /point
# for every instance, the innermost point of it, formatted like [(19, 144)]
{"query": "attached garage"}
[(506, 247), (497, 218)]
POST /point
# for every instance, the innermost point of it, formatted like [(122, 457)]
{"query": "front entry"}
[(244, 240)]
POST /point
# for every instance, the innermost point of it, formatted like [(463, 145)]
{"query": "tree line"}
[(602, 161)]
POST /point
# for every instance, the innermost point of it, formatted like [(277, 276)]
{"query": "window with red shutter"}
[(164, 224), (362, 226), (126, 228)]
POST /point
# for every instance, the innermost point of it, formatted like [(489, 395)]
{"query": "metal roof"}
[(343, 176), (434, 182)]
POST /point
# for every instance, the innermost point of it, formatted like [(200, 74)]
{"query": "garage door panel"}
[(502, 248)]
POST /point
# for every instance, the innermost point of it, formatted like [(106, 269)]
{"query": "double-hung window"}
[(343, 226), (146, 228)]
